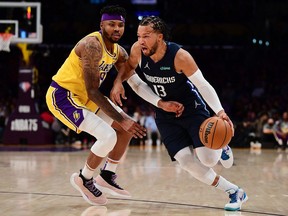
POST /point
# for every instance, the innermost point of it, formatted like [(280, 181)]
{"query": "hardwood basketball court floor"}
[(35, 182)]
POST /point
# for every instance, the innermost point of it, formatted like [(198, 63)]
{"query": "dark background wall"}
[(219, 35), (204, 22)]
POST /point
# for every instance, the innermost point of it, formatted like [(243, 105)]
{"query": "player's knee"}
[(208, 161), (208, 157), (203, 174), (186, 162), (104, 144), (110, 139), (191, 167), (186, 167)]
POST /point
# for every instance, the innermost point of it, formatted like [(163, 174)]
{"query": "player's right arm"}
[(89, 50), (139, 86), (186, 64)]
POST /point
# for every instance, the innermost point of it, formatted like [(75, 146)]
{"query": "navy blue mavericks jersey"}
[(171, 85)]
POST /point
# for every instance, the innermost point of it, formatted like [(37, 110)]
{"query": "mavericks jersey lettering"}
[(70, 75), (169, 84)]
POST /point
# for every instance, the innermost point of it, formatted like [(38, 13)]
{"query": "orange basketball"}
[(215, 133)]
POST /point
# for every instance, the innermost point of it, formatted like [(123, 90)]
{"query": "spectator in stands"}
[(140, 117), (153, 134), (268, 133), (3, 120), (281, 130)]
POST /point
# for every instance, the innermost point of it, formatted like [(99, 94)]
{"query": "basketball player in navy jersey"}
[(172, 73)]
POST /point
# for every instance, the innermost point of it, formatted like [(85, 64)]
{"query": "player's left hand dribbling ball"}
[(215, 133)]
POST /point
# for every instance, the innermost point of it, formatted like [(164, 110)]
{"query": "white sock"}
[(226, 186), (110, 165), (87, 172)]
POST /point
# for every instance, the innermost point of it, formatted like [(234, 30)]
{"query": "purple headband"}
[(106, 16)]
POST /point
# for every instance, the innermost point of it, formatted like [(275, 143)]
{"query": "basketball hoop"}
[(5, 40)]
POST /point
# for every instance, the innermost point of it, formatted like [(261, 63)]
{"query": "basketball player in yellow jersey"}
[(74, 98)]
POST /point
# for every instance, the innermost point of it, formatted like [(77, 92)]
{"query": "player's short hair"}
[(157, 24), (113, 10)]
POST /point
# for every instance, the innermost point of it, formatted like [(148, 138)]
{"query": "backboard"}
[(23, 20)]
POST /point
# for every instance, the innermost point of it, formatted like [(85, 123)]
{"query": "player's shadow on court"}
[(103, 211)]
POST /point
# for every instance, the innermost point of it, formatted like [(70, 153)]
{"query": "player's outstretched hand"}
[(135, 129), (222, 114), (117, 93), (171, 106)]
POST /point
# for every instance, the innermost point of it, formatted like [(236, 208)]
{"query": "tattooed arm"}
[(90, 51)]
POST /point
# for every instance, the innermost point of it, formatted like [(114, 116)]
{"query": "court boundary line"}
[(139, 200)]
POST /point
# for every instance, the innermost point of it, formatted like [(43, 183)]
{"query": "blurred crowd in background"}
[(250, 78)]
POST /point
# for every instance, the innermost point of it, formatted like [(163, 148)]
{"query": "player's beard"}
[(153, 49), (109, 37)]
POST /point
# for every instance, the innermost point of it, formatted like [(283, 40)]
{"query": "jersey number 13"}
[(160, 90)]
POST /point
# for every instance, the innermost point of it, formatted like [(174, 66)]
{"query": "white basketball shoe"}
[(227, 158), (237, 198), (88, 190), (105, 181)]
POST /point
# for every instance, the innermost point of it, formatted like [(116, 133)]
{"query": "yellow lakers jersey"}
[(70, 75)]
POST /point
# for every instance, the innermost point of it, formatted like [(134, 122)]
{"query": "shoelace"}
[(91, 187), (233, 197), (113, 177), (224, 155)]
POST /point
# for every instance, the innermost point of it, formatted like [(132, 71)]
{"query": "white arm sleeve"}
[(206, 90), (143, 90)]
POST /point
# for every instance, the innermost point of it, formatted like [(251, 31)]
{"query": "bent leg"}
[(208, 157), (106, 140), (106, 179), (123, 140), (188, 162)]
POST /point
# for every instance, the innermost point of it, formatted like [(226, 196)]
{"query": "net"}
[(5, 40)]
